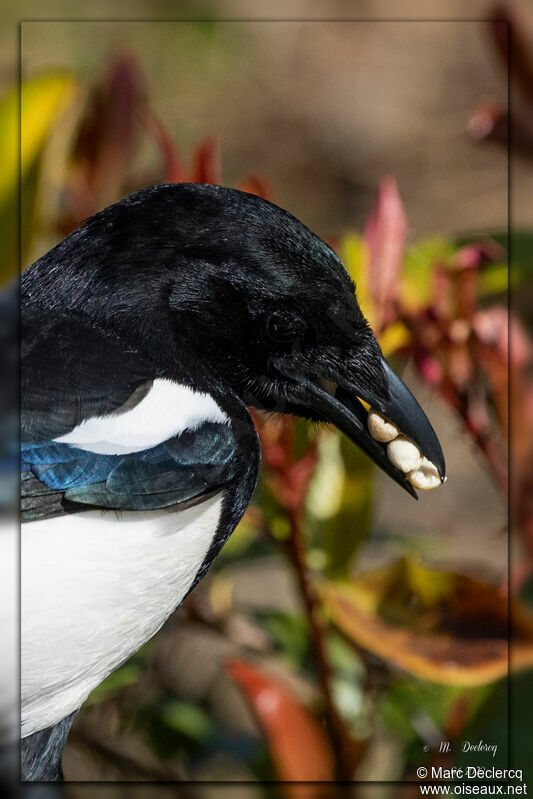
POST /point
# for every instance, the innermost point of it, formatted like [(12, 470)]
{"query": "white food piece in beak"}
[(380, 428), (426, 477), (403, 454)]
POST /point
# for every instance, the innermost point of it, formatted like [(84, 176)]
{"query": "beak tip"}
[(440, 463), (405, 412), (410, 490)]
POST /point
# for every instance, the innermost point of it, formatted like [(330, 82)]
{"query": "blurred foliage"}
[(440, 626), (297, 743), (408, 650), (490, 122), (174, 727), (25, 123)]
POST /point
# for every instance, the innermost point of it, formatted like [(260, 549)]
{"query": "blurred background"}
[(347, 639)]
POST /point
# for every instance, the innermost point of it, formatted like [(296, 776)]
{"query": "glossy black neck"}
[(239, 493)]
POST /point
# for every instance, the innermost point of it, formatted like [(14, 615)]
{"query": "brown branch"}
[(288, 479), (488, 445), (493, 457), (84, 736), (344, 747)]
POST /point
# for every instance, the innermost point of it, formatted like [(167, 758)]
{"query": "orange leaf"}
[(444, 627), (256, 185), (173, 172), (206, 163), (298, 746)]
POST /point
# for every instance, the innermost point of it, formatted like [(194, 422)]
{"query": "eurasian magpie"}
[(146, 335)]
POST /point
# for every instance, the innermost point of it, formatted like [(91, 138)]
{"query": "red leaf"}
[(494, 328), (505, 353), (105, 141), (478, 254), (206, 163), (298, 746), (256, 185), (467, 293), (172, 170), (429, 367), (488, 121), (108, 132), (385, 235)]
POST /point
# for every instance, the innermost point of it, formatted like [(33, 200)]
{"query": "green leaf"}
[(240, 540), (498, 277), (121, 678), (173, 727), (519, 247), (344, 658), (418, 267), (490, 724), (494, 279), (290, 633), (410, 706), (350, 701), (185, 718)]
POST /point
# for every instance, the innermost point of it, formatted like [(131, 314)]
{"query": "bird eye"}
[(284, 328)]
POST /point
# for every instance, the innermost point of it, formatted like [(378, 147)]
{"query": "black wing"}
[(73, 371)]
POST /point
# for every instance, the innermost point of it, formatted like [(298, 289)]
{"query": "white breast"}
[(95, 588)]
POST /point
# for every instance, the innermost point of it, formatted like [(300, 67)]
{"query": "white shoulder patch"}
[(167, 410)]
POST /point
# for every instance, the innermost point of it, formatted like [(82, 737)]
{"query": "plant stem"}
[(288, 481), (342, 744), (120, 759)]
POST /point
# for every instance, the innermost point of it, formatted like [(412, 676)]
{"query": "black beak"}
[(348, 414)]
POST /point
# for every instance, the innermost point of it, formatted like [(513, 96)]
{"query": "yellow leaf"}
[(418, 269), (221, 594), (393, 338), (41, 99), (353, 253)]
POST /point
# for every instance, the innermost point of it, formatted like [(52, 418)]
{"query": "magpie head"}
[(269, 308), (253, 298)]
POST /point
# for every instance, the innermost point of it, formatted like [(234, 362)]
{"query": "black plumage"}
[(213, 290)]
